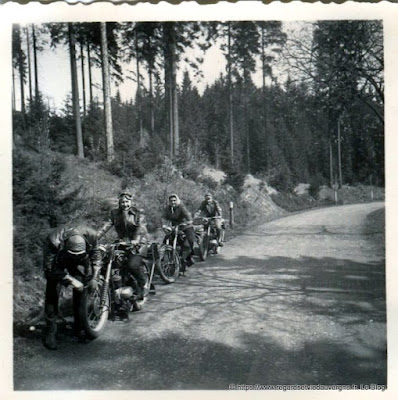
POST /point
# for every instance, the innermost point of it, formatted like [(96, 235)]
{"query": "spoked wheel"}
[(203, 247), (94, 316), (169, 264)]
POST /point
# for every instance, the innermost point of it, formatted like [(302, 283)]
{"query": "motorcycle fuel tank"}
[(124, 292)]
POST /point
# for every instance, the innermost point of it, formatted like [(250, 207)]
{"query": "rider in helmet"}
[(69, 252), (129, 225), (176, 213), (211, 208)]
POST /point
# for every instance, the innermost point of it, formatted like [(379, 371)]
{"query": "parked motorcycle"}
[(208, 243), (115, 288)]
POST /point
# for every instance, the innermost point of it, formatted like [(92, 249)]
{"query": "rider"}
[(69, 252), (130, 227), (177, 213), (211, 208)]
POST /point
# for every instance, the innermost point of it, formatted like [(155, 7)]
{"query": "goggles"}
[(126, 195)]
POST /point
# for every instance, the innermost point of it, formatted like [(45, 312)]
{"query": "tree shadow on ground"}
[(160, 364), (344, 293)]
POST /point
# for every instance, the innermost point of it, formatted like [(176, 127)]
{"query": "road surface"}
[(300, 300)]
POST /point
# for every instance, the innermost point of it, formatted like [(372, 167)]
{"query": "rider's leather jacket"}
[(129, 225), (177, 215), (55, 244), (210, 209)]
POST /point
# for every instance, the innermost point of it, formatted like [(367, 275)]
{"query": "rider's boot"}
[(136, 306), (183, 267), (140, 293), (50, 340), (145, 289), (189, 260)]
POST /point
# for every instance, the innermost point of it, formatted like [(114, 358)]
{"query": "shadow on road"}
[(243, 320)]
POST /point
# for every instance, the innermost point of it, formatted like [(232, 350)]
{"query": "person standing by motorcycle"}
[(176, 213), (129, 225), (210, 208), (71, 256)]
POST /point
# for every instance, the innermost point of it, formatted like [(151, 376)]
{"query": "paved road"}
[(300, 300)]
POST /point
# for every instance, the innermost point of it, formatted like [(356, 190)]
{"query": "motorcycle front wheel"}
[(203, 247), (93, 316), (169, 264)]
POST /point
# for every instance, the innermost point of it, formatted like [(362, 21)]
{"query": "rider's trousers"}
[(137, 268)]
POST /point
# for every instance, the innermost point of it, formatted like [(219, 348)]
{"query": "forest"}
[(317, 115)]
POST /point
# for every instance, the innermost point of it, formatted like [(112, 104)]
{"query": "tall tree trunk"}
[(217, 155), (13, 90), (172, 86), (35, 63), (21, 71), (339, 153), (248, 164), (29, 65), (171, 119), (176, 126), (245, 121), (83, 80), (168, 74), (151, 105), (110, 155), (90, 79), (331, 162), (230, 100), (138, 93), (265, 103), (75, 92)]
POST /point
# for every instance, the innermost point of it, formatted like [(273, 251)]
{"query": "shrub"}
[(281, 179), (236, 179), (38, 205)]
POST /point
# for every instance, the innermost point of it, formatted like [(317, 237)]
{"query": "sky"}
[(55, 81)]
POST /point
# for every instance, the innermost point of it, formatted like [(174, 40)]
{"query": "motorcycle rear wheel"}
[(93, 318), (169, 264)]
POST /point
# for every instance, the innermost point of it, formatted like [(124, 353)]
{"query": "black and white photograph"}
[(198, 201)]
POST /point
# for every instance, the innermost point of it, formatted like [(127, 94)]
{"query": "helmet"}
[(75, 245)]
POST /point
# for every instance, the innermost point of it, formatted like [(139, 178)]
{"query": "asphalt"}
[(297, 301)]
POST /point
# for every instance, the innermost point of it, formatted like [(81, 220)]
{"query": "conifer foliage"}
[(293, 105)]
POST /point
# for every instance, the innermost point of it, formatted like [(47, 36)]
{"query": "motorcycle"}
[(208, 242), (173, 247), (115, 288)]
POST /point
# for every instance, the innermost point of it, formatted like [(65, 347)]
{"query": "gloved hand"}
[(135, 242)]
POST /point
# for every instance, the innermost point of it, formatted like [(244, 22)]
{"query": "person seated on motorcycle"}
[(211, 208), (130, 227), (177, 213), (68, 252)]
